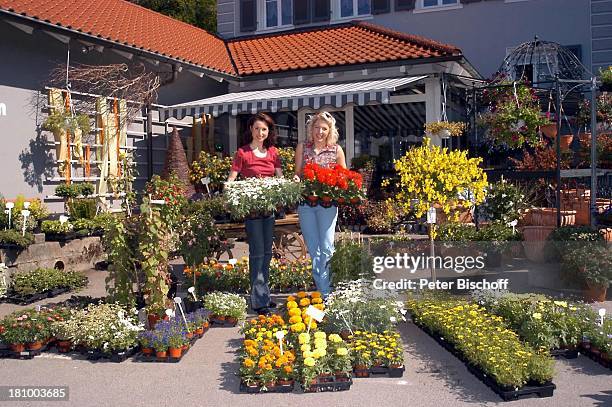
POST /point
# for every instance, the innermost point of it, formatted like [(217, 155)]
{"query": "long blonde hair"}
[(332, 137)]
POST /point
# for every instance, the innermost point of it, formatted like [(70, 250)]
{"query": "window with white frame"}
[(437, 3), (276, 13), (352, 8)]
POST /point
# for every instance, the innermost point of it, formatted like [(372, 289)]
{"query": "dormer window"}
[(354, 8), (278, 13)]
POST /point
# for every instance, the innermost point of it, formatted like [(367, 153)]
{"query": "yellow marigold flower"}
[(307, 354), (537, 315), (310, 362), (342, 351), (291, 304), (305, 348), (269, 334), (303, 338), (249, 342), (304, 302), (320, 335), (301, 294), (295, 319), (290, 298), (319, 306), (335, 338), (295, 311), (561, 303), (320, 343), (319, 353), (299, 327), (248, 362), (316, 300), (315, 294), (313, 324)]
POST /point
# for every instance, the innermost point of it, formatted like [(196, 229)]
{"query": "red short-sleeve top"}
[(249, 165)]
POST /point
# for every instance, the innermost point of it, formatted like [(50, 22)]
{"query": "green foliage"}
[(200, 13), (456, 232), (55, 227), (60, 121), (588, 263), (350, 261), (606, 75), (199, 237), (505, 202), (37, 209), (13, 237), (41, 280), (74, 190), (82, 209)]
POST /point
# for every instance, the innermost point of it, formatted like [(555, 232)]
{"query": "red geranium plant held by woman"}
[(333, 185)]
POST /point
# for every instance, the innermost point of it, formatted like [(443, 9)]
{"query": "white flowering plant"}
[(257, 196), (357, 306), (3, 280), (104, 327), (226, 304)]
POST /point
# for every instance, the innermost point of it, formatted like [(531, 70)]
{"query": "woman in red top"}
[(259, 158)]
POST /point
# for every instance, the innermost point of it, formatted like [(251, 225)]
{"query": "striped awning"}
[(273, 100)]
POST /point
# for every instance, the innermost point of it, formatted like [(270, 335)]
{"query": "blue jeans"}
[(318, 226), (260, 234)]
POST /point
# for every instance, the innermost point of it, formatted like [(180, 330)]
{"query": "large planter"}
[(548, 217), (594, 293), (549, 130), (534, 241)]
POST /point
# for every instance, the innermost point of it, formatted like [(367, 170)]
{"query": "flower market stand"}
[(288, 241)]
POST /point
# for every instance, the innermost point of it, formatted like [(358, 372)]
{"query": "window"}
[(310, 11), (352, 8), (438, 3), (278, 13)]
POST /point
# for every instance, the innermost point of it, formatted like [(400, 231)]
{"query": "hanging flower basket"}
[(445, 129)]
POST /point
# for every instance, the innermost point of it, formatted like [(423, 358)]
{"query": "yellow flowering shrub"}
[(435, 175)]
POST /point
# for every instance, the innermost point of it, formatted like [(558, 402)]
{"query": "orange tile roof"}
[(346, 44), (129, 24)]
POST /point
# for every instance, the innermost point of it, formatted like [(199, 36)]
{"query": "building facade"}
[(485, 30)]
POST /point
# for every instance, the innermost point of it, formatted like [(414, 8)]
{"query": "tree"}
[(199, 13)]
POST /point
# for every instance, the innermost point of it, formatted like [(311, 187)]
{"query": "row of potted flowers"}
[(483, 341), (285, 275), (171, 338)]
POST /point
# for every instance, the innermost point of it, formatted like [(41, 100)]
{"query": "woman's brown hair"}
[(271, 139)]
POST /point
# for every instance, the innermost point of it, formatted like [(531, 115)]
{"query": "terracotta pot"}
[(566, 140), (34, 345), (231, 320), (535, 241), (270, 384), (341, 201), (341, 377), (189, 335), (312, 198), (17, 347), (185, 347), (153, 319), (200, 331), (355, 201), (285, 382), (549, 130), (161, 355), (548, 217), (175, 352), (63, 346), (147, 351), (220, 317), (594, 293), (206, 325)]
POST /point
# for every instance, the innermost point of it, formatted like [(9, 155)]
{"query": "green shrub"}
[(56, 227), (350, 261), (13, 237), (82, 209)]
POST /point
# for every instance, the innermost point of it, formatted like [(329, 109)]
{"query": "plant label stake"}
[(9, 212), (280, 335), (513, 224), (431, 220), (170, 313), (602, 315), (314, 313), (348, 326), (63, 219), (178, 300), (25, 213), (191, 290), (232, 261), (206, 182)]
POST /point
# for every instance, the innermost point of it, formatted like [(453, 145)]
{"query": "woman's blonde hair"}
[(332, 138)]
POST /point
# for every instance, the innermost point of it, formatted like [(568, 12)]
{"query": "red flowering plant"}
[(332, 184), (171, 192), (513, 117)]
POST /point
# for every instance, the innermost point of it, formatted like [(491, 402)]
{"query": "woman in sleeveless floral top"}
[(318, 224)]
